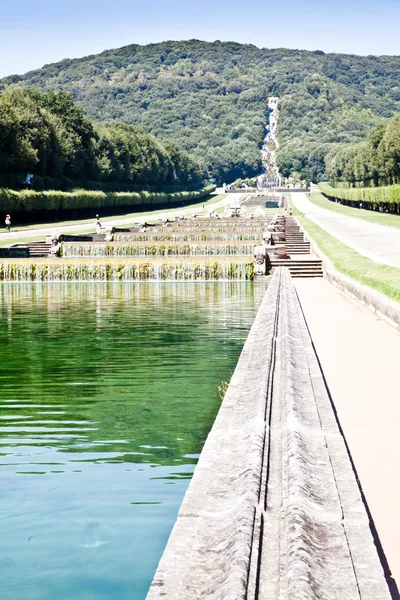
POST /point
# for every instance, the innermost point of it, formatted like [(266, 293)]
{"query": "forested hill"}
[(211, 98)]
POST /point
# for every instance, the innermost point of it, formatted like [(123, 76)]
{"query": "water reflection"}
[(107, 393)]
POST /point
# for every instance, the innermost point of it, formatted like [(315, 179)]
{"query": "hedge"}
[(14, 182), (372, 198), (27, 201)]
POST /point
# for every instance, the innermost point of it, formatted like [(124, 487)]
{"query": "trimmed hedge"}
[(65, 184), (28, 201), (372, 198)]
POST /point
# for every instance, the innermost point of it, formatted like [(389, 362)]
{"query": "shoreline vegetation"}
[(382, 278)]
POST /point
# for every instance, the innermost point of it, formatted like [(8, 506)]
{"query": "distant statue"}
[(28, 179)]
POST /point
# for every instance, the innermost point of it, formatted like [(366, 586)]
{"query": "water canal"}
[(107, 393)]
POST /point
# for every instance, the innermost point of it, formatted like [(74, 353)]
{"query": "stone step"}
[(297, 243), (300, 267), (298, 248), (36, 249), (306, 275), (295, 262)]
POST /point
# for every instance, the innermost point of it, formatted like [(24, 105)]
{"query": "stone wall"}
[(14, 252), (273, 511)]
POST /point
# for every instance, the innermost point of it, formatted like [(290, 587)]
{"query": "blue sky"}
[(35, 32)]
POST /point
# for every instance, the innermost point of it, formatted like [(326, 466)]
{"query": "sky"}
[(37, 32)]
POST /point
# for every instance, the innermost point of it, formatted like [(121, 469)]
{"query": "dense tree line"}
[(47, 135), (373, 162), (211, 99)]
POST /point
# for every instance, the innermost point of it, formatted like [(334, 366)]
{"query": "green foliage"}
[(386, 198), (48, 135), (26, 201), (375, 161), (211, 99), (223, 388)]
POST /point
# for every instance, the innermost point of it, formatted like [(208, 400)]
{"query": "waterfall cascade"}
[(116, 250), (189, 270), (270, 176), (181, 250), (190, 237)]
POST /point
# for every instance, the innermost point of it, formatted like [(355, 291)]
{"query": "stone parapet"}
[(274, 511)]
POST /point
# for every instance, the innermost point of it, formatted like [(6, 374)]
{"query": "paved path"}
[(378, 242), (33, 231), (360, 356)]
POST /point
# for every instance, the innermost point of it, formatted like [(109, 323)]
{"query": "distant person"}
[(98, 225), (28, 180), (8, 222)]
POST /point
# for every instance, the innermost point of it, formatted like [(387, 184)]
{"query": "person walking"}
[(98, 225), (8, 222)]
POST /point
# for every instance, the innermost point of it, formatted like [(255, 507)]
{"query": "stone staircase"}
[(295, 242), (301, 262), (36, 249), (303, 266), (297, 245)]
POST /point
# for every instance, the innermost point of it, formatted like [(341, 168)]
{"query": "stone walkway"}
[(273, 510), (378, 242), (360, 356), (170, 213)]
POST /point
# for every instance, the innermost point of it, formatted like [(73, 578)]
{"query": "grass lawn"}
[(367, 215), (40, 238), (382, 278), (197, 207)]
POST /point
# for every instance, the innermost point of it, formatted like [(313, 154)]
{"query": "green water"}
[(107, 393)]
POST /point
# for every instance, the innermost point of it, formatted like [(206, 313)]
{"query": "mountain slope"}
[(211, 98)]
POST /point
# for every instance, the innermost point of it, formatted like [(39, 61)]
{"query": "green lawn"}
[(40, 238), (382, 278), (367, 215), (197, 208)]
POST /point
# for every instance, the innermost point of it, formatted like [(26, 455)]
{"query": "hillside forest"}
[(210, 100)]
